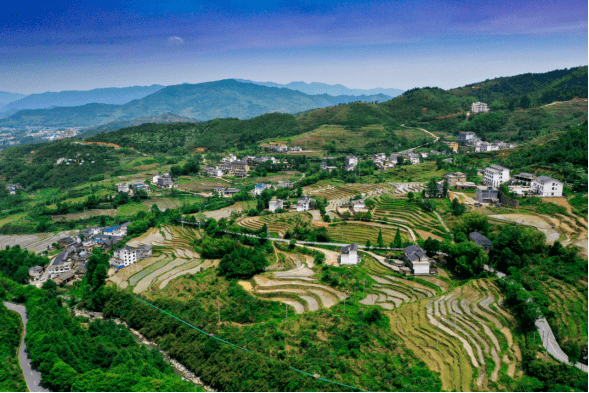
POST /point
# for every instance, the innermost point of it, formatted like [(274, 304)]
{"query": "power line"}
[(210, 335)]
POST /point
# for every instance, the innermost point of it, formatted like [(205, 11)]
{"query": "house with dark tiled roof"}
[(417, 259), (481, 240)]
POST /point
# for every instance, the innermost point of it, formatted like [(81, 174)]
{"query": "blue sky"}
[(66, 45)]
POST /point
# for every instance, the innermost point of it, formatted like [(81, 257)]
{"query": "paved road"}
[(32, 377), (548, 340), (422, 129)]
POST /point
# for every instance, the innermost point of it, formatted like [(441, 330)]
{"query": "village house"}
[(275, 204), (213, 171), (454, 177), (226, 167), (486, 194), (219, 190), (60, 265), (106, 241), (465, 136), (358, 206), (524, 178), (12, 188), (417, 260), (259, 188), (349, 255), (123, 187), (304, 204), (295, 148), (165, 181), (64, 278), (230, 158), (479, 107), (60, 160), (393, 159), (231, 191), (241, 173), (142, 186), (351, 162), (453, 146), (413, 158), (239, 165), (481, 240), (544, 186), (325, 167), (496, 175), (69, 241), (35, 272), (143, 251), (465, 185), (423, 154), (284, 184)]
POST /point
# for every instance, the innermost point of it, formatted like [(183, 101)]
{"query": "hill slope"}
[(203, 101), (7, 97), (111, 95), (314, 88)]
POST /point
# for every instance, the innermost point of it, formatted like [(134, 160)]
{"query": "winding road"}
[(548, 340), (32, 377)]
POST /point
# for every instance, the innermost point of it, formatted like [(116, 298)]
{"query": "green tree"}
[(368, 244), (432, 188), (410, 196), (380, 240), (398, 239), (525, 102)]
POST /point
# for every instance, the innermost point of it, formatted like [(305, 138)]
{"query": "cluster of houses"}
[(258, 188), (303, 204), (239, 168), (282, 148), (130, 187), (163, 181), (71, 262), (521, 184), (12, 188), (73, 161), (469, 138)]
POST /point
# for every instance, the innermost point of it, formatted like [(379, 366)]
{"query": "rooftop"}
[(480, 239), (351, 247)]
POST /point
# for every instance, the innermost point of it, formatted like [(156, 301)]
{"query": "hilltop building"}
[(479, 107)]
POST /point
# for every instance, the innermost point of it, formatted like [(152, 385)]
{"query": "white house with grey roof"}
[(417, 260), (349, 255), (496, 175), (304, 204), (275, 204), (544, 186)]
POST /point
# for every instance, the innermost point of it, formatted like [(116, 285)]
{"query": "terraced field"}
[(278, 223), (400, 210), (404, 188), (570, 311), (360, 232), (173, 258), (463, 334), (348, 191)]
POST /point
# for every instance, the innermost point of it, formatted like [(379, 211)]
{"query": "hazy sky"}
[(66, 45)]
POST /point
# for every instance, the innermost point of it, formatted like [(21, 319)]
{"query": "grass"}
[(361, 232)]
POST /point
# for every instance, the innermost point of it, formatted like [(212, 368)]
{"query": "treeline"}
[(15, 263), (74, 354), (11, 376)]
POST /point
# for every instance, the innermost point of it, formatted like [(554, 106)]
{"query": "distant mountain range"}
[(315, 88), (6, 97), (201, 102), (110, 95), (118, 124)]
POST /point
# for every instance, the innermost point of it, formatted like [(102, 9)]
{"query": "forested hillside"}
[(11, 376)]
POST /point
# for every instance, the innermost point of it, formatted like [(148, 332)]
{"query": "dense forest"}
[(15, 263), (11, 377)]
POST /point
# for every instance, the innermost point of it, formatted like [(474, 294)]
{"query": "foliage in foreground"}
[(11, 377)]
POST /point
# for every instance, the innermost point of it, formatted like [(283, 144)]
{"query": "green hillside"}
[(202, 102)]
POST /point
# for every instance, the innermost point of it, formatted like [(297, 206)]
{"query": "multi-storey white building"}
[(126, 256), (304, 204), (544, 186), (349, 255), (495, 175), (479, 107), (275, 204)]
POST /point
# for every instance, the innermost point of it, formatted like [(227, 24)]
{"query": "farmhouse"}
[(232, 191), (454, 177), (213, 171), (284, 184), (35, 272), (240, 166), (59, 265), (524, 178), (544, 186), (465, 136), (304, 204), (165, 181), (259, 188), (351, 162), (496, 175), (479, 107), (219, 190), (241, 173), (64, 278), (123, 187), (275, 204), (143, 251), (417, 260), (127, 256), (486, 194), (349, 255), (142, 186), (229, 158), (481, 240), (453, 146), (358, 206)]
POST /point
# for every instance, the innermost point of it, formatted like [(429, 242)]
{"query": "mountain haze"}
[(315, 88), (110, 95), (202, 102), (7, 97)]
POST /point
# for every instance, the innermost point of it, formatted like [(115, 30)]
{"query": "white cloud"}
[(175, 40)]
